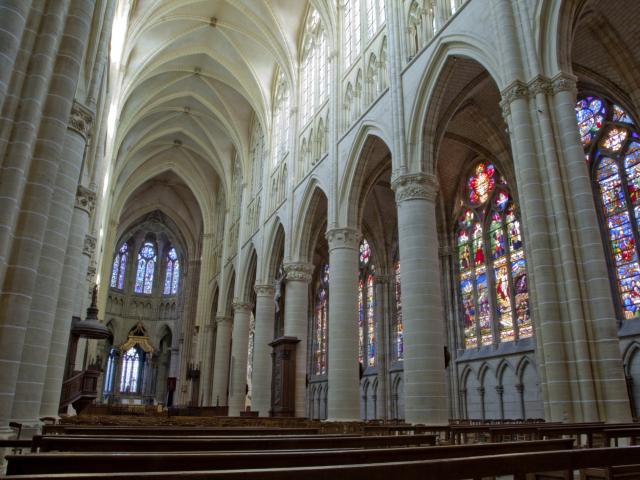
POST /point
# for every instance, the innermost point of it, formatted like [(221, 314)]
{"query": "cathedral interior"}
[(333, 209)]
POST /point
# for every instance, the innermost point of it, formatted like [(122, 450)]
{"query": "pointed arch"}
[(313, 206)]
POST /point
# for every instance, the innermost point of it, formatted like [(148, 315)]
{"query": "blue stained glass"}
[(168, 278), (501, 200), (146, 265), (119, 267), (619, 115), (176, 277), (628, 270), (123, 266)]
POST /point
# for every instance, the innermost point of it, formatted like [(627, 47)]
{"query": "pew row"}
[(517, 464), (133, 430), (145, 462), (80, 443)]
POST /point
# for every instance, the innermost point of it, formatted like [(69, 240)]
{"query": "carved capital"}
[(91, 273), (516, 91), (242, 307), (89, 246), (298, 271), (540, 85), (85, 199), (223, 320), (265, 290), (343, 238), (415, 186), (81, 119), (564, 82)]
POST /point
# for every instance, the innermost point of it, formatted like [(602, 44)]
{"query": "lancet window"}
[(366, 307), (611, 143), (146, 266), (119, 268), (493, 284), (321, 322), (172, 275)]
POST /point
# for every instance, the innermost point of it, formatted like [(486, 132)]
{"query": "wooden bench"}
[(133, 430), (631, 432), (144, 462), (517, 464), (69, 443), (626, 472), (590, 430)]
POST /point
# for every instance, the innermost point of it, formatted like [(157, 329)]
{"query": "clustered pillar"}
[(239, 356)]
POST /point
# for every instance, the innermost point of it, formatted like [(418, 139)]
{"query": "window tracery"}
[(119, 268), (611, 142), (315, 67), (281, 116), (172, 276), (321, 322), (366, 307), (397, 327), (351, 22), (146, 265), (491, 262)]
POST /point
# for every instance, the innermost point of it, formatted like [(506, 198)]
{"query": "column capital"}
[(80, 119), (298, 271), (343, 238), (239, 306), (564, 82), (223, 320), (540, 85), (265, 290), (515, 91), (415, 186), (89, 245), (85, 199)]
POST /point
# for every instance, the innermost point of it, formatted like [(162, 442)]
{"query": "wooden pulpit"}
[(283, 377)]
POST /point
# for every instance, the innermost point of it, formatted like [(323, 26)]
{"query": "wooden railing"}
[(80, 389)]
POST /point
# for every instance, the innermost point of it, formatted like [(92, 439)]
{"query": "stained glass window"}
[(320, 322), (130, 376), (146, 266), (351, 23), (398, 327), (119, 268), (172, 276), (314, 75), (612, 147), (366, 307), (493, 288)]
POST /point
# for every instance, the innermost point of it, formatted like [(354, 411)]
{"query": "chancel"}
[(323, 214)]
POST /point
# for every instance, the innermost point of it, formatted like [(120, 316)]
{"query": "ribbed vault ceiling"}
[(191, 76)]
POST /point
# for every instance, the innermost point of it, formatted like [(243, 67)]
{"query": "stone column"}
[(296, 324), (40, 327), (239, 350), (601, 324), (261, 375), (343, 373), (20, 278), (423, 317), (221, 362), (206, 375), (21, 142), (13, 17)]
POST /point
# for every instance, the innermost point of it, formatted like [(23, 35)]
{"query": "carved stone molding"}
[(223, 319), (239, 306), (81, 119), (540, 85), (91, 273), (343, 238), (85, 199), (516, 91), (415, 186), (265, 290), (89, 245), (298, 271), (564, 82)]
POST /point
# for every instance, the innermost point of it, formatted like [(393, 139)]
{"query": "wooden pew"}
[(133, 430), (69, 443), (144, 462), (631, 432), (626, 472), (518, 464), (578, 429)]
